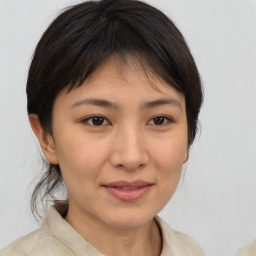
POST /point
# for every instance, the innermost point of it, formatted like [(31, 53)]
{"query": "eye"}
[(160, 120), (96, 121)]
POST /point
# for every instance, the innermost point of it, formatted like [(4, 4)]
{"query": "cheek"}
[(79, 156), (170, 154), (168, 157), (80, 167)]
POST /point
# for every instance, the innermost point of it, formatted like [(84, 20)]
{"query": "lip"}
[(128, 191)]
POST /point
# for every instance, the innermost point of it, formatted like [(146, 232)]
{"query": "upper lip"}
[(136, 183)]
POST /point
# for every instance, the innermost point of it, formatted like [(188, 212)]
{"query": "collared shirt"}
[(56, 237)]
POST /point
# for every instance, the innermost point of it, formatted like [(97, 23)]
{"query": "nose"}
[(129, 149)]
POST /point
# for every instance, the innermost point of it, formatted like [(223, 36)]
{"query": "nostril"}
[(129, 153), (130, 166)]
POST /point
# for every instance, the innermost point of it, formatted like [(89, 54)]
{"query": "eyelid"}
[(167, 118), (86, 120)]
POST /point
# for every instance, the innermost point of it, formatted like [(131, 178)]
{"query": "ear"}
[(186, 157), (45, 139)]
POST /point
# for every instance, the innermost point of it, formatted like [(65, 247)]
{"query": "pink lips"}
[(128, 191)]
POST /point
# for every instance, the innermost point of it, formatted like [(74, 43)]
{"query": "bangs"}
[(83, 51), (84, 36)]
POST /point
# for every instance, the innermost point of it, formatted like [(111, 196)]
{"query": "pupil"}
[(97, 120), (159, 120)]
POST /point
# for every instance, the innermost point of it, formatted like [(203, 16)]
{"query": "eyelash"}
[(167, 120), (87, 120)]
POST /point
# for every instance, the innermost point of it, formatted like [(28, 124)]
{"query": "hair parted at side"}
[(81, 38)]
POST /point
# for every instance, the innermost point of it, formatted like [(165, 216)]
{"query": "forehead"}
[(115, 79)]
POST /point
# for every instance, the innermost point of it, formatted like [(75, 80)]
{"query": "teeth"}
[(128, 188)]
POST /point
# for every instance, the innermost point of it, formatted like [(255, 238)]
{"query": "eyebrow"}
[(160, 102), (106, 103), (96, 102)]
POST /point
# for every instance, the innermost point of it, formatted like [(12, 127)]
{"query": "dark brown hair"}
[(84, 36)]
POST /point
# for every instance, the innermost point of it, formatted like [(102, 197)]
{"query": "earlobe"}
[(45, 139), (186, 157)]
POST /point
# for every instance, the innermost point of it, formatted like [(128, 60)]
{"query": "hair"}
[(81, 38)]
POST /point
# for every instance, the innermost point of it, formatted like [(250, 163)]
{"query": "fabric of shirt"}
[(249, 250), (56, 237)]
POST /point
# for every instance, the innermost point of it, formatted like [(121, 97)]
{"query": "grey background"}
[(216, 200)]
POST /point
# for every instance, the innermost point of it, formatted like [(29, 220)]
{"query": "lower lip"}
[(129, 194)]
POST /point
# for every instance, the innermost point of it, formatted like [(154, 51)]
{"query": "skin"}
[(127, 144)]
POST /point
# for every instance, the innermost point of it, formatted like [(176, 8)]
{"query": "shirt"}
[(56, 237)]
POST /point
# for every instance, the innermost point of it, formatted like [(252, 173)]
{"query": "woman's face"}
[(120, 144)]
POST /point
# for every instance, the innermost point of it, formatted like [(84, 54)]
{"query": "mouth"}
[(128, 191)]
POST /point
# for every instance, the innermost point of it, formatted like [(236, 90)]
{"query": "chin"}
[(129, 219)]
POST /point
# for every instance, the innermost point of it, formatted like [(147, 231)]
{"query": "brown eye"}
[(159, 120), (96, 121)]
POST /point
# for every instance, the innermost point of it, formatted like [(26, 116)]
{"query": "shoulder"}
[(42, 241), (187, 244), (176, 242), (22, 246), (37, 243), (249, 250)]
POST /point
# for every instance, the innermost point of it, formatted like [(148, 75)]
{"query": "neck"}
[(144, 240)]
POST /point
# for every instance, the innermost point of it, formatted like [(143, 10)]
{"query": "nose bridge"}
[(129, 149)]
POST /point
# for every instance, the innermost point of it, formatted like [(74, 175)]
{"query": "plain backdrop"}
[(216, 200)]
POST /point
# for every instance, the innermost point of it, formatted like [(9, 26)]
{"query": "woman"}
[(113, 98)]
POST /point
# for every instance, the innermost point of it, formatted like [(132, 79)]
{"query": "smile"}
[(128, 191), (128, 188)]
